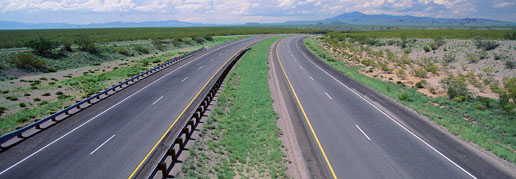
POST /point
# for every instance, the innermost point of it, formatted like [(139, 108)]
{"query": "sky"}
[(241, 11)]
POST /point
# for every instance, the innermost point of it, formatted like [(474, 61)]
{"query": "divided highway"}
[(111, 138), (355, 138)]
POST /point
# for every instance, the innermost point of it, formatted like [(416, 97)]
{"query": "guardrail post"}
[(172, 153), (179, 141), (187, 134), (54, 119), (191, 123), (163, 167)]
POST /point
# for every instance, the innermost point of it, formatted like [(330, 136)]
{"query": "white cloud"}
[(503, 4)]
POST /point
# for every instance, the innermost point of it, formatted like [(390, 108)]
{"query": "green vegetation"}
[(89, 83), (27, 60), (433, 34), (84, 37), (475, 119), (240, 138)]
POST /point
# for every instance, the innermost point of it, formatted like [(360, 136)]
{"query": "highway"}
[(356, 138), (111, 138)]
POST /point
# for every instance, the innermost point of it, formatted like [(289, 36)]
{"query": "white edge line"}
[(157, 100), (102, 145), (44, 147), (311, 77), (184, 79), (424, 142), (200, 67), (363, 132), (328, 95)]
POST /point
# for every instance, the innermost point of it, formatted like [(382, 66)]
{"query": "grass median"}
[(241, 138), (491, 129)]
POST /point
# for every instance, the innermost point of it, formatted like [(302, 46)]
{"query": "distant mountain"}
[(171, 23), (357, 18)]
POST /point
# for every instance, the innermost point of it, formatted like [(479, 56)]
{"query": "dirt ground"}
[(481, 68)]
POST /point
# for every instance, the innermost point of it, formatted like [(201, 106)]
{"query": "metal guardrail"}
[(18, 133), (195, 115)]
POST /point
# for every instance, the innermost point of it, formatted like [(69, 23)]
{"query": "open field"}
[(431, 33), (35, 95), (241, 139), (18, 38), (489, 123)]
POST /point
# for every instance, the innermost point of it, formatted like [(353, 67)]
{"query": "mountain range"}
[(357, 18), (170, 23), (354, 18)]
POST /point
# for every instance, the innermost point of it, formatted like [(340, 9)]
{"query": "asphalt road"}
[(111, 138), (357, 139)]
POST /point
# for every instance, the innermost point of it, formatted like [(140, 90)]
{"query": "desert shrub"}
[(367, 62), (426, 49), (390, 55), (433, 45), (498, 56), (87, 44), (176, 42), (432, 68), (45, 94), (68, 45), (482, 54), (11, 98), (455, 87), (27, 60), (42, 45), (22, 105), (2, 110), (472, 58), (198, 39), (419, 72), (123, 51), (141, 49), (510, 36), (59, 93), (405, 97), (158, 44), (36, 99), (449, 57), (208, 38), (401, 74), (421, 84), (510, 64), (485, 44), (407, 51), (439, 42), (510, 86)]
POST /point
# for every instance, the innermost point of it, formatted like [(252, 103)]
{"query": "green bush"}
[(36, 99), (122, 51), (427, 49), (482, 54), (421, 84), (510, 64), (42, 45), (472, 58), (2, 110), (141, 49), (433, 45), (87, 44), (455, 87), (27, 60), (22, 105), (405, 97), (419, 72), (485, 44), (45, 94), (449, 57)]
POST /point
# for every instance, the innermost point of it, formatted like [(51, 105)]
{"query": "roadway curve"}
[(111, 138), (357, 139)]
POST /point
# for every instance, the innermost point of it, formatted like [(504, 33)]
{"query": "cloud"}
[(503, 4), (230, 11)]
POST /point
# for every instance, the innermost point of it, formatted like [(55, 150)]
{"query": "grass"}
[(241, 137), (433, 33), (490, 128), (18, 38), (87, 84)]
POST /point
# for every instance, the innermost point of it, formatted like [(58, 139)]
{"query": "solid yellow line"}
[(169, 128), (304, 114)]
